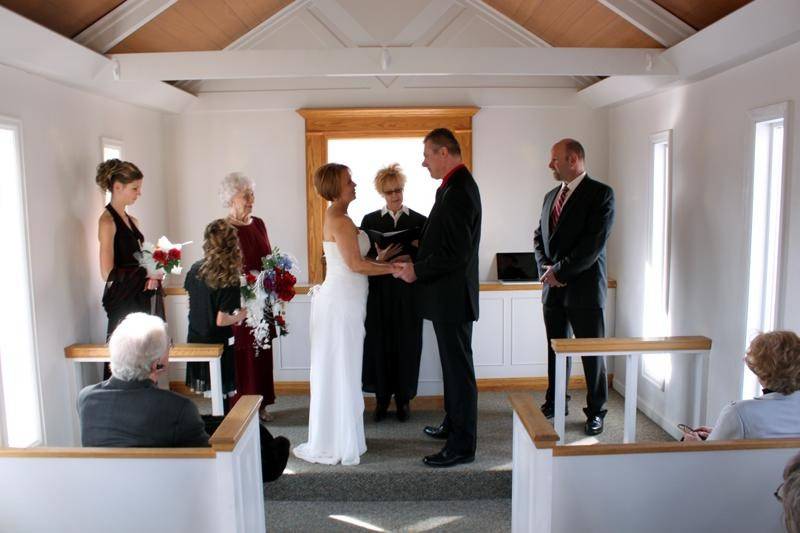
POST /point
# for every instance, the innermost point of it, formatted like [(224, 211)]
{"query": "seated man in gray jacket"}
[(129, 410)]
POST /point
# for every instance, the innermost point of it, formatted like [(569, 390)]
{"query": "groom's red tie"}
[(556, 214)]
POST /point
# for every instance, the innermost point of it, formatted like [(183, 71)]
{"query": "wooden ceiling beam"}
[(652, 19), (114, 27), (400, 61)]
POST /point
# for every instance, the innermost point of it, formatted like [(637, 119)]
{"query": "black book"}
[(402, 237)]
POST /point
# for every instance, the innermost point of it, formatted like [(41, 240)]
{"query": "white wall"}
[(61, 142), (511, 153), (710, 246)]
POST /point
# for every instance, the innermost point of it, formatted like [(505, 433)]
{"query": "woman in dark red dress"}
[(253, 368)]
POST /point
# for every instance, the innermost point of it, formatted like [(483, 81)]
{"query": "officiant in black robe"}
[(393, 343)]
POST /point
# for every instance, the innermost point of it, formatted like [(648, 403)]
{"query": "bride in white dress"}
[(338, 309)]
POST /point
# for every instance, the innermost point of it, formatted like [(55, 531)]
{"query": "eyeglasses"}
[(393, 191), (779, 493)]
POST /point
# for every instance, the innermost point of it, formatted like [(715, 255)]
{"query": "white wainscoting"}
[(508, 341)]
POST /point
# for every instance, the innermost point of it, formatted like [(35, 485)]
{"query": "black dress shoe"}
[(594, 425), (380, 412), (402, 411), (549, 410), (447, 458), (437, 432)]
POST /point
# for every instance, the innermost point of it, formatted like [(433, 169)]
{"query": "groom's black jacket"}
[(447, 262)]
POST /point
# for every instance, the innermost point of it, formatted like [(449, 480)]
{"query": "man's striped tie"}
[(562, 197)]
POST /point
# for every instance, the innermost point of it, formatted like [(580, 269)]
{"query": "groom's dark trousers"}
[(447, 294)]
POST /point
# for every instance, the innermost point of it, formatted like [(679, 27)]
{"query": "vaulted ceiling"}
[(190, 25)]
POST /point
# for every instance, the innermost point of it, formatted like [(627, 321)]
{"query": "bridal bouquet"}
[(161, 256), (266, 294)]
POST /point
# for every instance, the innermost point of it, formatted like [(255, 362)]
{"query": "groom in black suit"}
[(570, 247), (446, 272)]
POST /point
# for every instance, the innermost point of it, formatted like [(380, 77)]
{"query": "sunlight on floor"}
[(505, 466), (430, 524), (586, 441), (355, 522)]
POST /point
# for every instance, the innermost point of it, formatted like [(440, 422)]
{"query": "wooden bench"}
[(632, 349), (96, 490), (657, 487), (179, 353)]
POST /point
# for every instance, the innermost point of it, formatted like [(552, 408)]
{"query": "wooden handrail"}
[(632, 344), (235, 423), (675, 447), (178, 351), (539, 429), (111, 453), (490, 286)]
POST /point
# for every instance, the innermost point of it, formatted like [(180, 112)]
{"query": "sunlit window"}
[(366, 156), (111, 149), (20, 405), (658, 367), (765, 229)]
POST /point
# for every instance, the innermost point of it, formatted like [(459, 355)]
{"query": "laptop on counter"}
[(517, 267)]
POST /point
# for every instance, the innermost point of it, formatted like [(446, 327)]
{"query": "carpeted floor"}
[(392, 490)]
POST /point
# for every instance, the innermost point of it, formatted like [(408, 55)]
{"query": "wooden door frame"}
[(325, 124)]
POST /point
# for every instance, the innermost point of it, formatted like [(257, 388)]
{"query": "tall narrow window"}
[(110, 149), (658, 368), (21, 409), (366, 156), (765, 228)]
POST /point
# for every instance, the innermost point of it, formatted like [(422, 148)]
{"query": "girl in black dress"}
[(214, 304), (393, 344), (128, 288)]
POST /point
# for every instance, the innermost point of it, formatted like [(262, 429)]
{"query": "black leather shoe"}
[(437, 432), (594, 425), (380, 412), (402, 411), (549, 410), (447, 458)]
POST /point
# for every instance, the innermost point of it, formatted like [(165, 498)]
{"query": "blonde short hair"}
[(328, 180), (775, 358), (388, 174), (137, 342)]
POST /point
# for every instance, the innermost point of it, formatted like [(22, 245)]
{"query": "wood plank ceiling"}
[(190, 25)]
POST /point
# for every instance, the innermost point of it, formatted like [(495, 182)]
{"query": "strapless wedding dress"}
[(336, 412)]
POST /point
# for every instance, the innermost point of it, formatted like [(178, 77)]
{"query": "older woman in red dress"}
[(253, 368)]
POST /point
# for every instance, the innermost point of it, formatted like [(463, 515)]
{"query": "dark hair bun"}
[(114, 170)]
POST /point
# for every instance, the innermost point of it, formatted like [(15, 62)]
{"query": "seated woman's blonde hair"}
[(775, 358), (392, 173)]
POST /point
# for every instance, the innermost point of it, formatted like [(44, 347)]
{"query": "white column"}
[(631, 384)]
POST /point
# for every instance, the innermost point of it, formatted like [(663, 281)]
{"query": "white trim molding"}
[(652, 19), (121, 22)]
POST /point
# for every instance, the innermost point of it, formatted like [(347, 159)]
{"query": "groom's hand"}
[(406, 272)]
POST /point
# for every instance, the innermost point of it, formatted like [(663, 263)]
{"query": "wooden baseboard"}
[(289, 388)]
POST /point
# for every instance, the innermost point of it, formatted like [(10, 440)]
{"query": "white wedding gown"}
[(336, 413)]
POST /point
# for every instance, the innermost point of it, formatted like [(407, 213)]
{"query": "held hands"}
[(699, 434), (405, 272), (549, 278)]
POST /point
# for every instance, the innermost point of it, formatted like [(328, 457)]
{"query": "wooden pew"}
[(97, 490), (179, 353), (654, 487), (632, 349)]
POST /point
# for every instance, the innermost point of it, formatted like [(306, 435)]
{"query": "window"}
[(366, 156), (20, 405), (658, 367), (110, 149), (766, 227)]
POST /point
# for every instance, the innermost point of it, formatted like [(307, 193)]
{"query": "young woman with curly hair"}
[(213, 287)]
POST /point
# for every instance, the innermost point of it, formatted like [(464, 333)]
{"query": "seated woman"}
[(129, 410), (774, 358), (789, 495), (214, 304)]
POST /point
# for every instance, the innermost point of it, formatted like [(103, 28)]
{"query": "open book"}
[(403, 237)]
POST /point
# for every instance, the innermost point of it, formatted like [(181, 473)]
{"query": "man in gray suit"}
[(128, 409)]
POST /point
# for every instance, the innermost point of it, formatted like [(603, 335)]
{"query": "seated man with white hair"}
[(128, 409)]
